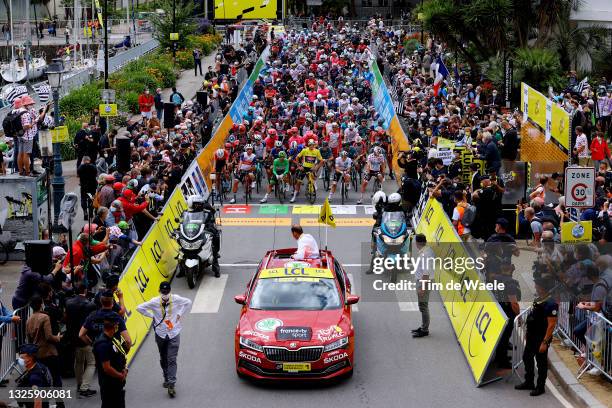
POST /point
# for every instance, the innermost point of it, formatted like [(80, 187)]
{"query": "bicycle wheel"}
[(344, 190), (281, 191), (258, 179), (355, 178), (311, 191), (326, 178)]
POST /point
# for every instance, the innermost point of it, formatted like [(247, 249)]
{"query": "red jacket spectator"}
[(145, 102), (599, 149), (78, 252), (129, 208)]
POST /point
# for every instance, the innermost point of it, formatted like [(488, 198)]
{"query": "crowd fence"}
[(518, 340), (12, 336)]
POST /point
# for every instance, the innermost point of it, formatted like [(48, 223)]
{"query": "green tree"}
[(163, 23)]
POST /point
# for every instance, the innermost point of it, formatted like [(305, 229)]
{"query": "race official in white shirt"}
[(166, 311), (307, 247)]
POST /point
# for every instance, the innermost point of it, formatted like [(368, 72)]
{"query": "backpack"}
[(469, 215), (12, 125)]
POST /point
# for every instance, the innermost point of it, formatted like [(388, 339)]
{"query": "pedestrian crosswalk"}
[(211, 291)]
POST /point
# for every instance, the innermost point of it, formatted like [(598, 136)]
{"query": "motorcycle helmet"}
[(379, 197), (394, 198), (195, 203)]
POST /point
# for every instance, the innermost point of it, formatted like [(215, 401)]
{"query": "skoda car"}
[(295, 321)]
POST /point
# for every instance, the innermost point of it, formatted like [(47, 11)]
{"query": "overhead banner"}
[(550, 117), (477, 319), (245, 9)]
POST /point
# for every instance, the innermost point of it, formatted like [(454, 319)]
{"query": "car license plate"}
[(296, 367)]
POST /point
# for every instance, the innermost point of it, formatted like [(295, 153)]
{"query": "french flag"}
[(442, 73)]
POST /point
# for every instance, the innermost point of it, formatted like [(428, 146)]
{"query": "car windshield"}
[(295, 294)]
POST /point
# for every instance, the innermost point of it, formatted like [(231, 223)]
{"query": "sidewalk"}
[(187, 84)]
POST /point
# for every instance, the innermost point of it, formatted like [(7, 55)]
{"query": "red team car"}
[(296, 320)]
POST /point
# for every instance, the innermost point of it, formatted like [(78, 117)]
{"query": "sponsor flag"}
[(442, 73), (326, 216)]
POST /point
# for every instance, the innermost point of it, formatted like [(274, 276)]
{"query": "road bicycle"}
[(280, 189), (311, 190), (344, 187)]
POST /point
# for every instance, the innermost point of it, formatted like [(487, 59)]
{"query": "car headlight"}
[(250, 344), (336, 344), (393, 241)]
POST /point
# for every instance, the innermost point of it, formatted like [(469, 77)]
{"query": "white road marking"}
[(210, 292), (369, 209), (235, 265), (408, 306), (344, 209), (354, 288), (555, 392)]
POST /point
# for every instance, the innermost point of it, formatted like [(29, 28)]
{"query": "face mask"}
[(21, 362)]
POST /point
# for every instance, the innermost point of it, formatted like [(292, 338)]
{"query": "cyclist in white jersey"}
[(343, 165), (246, 166), (375, 166)]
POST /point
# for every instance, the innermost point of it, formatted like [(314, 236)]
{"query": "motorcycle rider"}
[(197, 204)]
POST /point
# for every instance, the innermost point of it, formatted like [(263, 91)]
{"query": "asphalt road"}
[(391, 368)]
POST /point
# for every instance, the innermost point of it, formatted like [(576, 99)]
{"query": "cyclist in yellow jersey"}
[(309, 159)]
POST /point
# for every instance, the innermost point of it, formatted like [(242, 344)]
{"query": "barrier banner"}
[(476, 317), (241, 104), (550, 117), (150, 265), (245, 9), (576, 232)]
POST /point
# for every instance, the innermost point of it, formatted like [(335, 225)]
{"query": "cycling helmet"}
[(257, 138), (294, 144), (377, 150), (394, 198), (278, 143), (379, 197), (220, 153), (249, 146), (242, 128), (228, 146), (343, 153), (272, 132), (324, 143), (282, 154), (311, 142), (351, 125), (358, 139)]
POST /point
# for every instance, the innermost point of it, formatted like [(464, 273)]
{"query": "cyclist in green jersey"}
[(280, 169)]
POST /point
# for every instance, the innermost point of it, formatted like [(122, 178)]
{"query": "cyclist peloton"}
[(246, 167), (308, 159), (280, 170), (343, 165), (375, 167)]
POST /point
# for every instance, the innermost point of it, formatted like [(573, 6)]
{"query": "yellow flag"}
[(326, 216)]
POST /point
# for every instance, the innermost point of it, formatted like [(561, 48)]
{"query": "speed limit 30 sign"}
[(579, 187)]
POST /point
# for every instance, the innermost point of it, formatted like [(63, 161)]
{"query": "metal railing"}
[(518, 340), (598, 345), (568, 318), (12, 336), (118, 61)]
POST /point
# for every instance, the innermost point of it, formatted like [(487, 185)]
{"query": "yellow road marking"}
[(306, 209), (254, 222)]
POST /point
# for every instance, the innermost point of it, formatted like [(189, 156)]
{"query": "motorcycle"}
[(196, 251), (391, 238)]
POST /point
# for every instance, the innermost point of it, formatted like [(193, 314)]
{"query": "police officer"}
[(35, 374), (541, 322), (93, 326), (111, 364)]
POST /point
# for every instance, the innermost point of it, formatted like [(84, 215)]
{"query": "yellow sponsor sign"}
[(574, 232), (254, 222), (245, 9), (560, 130), (296, 272), (306, 209), (340, 222), (537, 107), (174, 36), (152, 263), (108, 109), (59, 134), (476, 317)]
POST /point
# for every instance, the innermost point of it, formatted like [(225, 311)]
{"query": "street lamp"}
[(54, 75)]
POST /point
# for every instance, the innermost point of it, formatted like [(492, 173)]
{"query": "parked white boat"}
[(15, 71)]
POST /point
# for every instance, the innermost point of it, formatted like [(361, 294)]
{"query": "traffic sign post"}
[(579, 187)]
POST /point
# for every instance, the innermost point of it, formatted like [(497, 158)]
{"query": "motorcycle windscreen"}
[(394, 223), (192, 223)]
